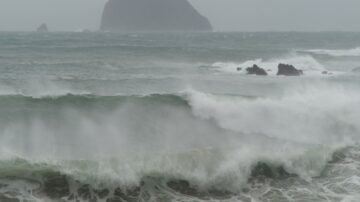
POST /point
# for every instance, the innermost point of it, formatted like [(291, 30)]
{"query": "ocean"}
[(110, 117)]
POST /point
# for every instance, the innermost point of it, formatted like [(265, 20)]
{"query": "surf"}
[(308, 64), (353, 52), (208, 140)]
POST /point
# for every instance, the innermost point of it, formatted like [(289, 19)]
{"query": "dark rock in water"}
[(239, 69), (264, 170), (256, 70), (325, 72), (152, 15), (56, 185), (42, 28), (288, 70)]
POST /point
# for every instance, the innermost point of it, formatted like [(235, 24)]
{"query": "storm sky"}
[(225, 15)]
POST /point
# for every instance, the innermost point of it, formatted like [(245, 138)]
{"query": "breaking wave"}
[(336, 53), (194, 143)]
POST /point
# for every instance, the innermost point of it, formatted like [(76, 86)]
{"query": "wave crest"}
[(336, 53)]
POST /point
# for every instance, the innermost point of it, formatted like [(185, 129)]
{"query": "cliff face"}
[(152, 15)]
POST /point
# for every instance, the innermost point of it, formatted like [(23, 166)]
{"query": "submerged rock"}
[(152, 15), (256, 70), (288, 70), (42, 28)]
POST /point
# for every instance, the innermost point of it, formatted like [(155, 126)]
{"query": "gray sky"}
[(225, 15)]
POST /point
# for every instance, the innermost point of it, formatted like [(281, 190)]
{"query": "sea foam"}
[(308, 64), (336, 53)]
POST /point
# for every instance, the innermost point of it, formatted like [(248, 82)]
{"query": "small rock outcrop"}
[(288, 70), (152, 15), (42, 28), (256, 70)]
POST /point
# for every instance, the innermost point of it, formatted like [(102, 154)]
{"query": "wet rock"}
[(256, 70), (288, 70), (239, 69), (56, 186)]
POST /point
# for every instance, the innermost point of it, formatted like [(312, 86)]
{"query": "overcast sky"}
[(225, 15)]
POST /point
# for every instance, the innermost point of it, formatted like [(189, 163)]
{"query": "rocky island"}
[(42, 28), (152, 15)]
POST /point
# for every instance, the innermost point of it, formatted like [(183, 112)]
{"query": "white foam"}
[(39, 89), (298, 130), (336, 53), (308, 64), (306, 114)]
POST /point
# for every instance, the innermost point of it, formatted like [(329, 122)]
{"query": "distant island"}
[(42, 28), (152, 15)]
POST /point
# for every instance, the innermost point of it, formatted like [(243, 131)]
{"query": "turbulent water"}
[(172, 117)]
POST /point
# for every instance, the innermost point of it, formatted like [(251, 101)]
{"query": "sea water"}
[(175, 117)]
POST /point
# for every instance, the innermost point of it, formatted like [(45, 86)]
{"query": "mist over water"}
[(151, 117)]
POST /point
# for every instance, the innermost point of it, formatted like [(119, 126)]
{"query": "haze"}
[(225, 15)]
